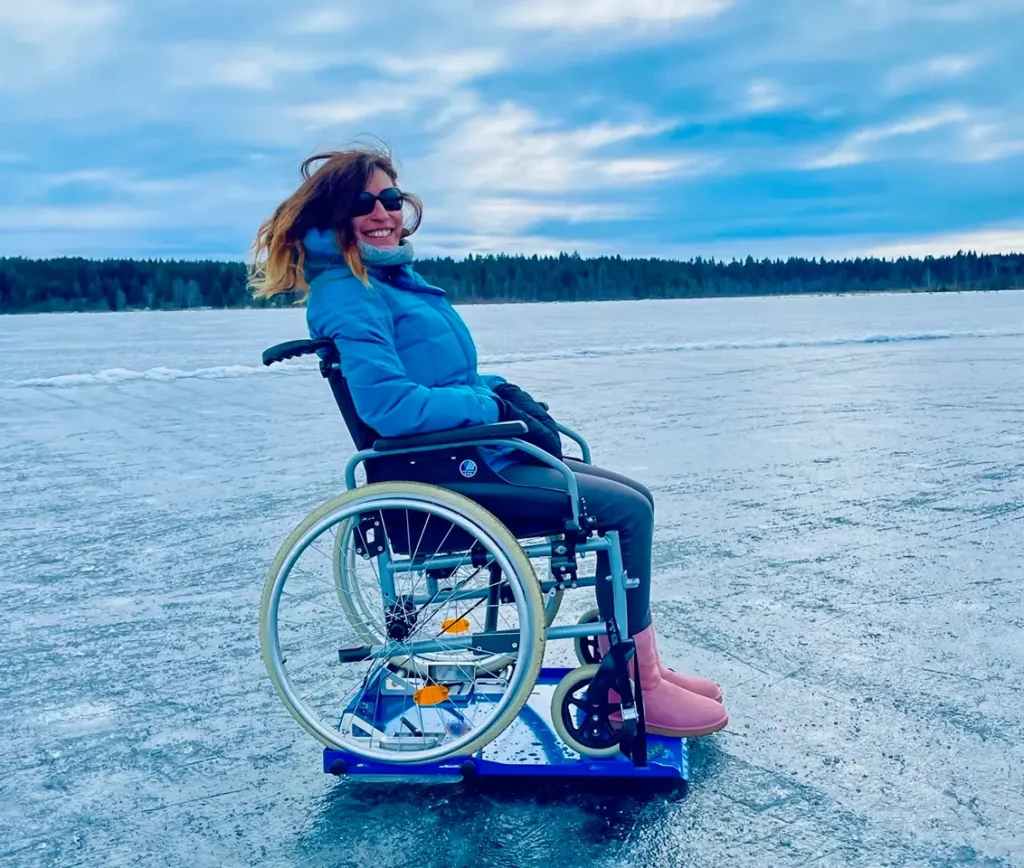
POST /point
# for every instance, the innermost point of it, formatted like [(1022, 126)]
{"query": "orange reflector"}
[(432, 694), (454, 625)]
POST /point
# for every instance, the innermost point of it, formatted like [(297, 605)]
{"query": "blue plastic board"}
[(528, 748)]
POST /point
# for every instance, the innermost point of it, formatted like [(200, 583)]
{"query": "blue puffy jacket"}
[(407, 356)]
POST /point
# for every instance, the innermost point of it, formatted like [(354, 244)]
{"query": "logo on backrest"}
[(468, 468)]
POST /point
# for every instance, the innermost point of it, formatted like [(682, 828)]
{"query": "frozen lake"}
[(840, 542)]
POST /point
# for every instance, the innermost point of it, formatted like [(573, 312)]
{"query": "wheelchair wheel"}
[(581, 721), (356, 607), (333, 666)]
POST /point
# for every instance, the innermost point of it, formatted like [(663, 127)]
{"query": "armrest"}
[(451, 436), (576, 438), (572, 435)]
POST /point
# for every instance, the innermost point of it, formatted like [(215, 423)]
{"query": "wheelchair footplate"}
[(528, 749)]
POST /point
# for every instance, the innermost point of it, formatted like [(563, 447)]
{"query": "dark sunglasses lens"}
[(391, 199), (364, 205)]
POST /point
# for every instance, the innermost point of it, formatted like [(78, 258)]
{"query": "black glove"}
[(514, 404)]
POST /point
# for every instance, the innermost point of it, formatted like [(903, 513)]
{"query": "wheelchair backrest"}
[(363, 436)]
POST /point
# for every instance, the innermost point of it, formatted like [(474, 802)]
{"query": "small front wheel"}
[(582, 721)]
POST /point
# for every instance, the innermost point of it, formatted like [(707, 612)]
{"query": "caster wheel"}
[(587, 650), (580, 721)]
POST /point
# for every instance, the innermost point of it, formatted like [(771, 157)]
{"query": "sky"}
[(672, 128)]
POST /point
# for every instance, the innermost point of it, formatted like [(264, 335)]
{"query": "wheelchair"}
[(444, 616)]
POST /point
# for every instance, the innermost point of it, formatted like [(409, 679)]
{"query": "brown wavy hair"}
[(324, 200)]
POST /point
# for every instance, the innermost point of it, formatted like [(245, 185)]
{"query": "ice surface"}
[(840, 541)]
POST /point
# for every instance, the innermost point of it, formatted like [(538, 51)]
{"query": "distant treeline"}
[(71, 284)]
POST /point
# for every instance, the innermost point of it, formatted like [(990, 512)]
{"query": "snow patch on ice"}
[(780, 343), (116, 376), (79, 719)]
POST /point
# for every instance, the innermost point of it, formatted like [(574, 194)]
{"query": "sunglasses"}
[(391, 199)]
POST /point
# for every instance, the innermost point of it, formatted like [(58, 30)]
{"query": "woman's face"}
[(379, 228)]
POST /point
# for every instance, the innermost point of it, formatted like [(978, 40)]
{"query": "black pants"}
[(620, 504)]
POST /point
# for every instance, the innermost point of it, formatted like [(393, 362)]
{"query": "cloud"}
[(90, 218), (254, 66), (858, 147), (326, 19), (988, 142), (604, 133), (639, 169), (977, 141), (41, 38), (1004, 239), (449, 68), (764, 95), (414, 81), (365, 103), (507, 215), (513, 149), (892, 12), (459, 104), (54, 24), (936, 69), (573, 15), (132, 183), (56, 180)]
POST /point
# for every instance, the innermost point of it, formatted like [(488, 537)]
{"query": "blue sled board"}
[(528, 748)]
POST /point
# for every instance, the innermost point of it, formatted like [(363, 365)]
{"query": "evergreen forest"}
[(76, 284)]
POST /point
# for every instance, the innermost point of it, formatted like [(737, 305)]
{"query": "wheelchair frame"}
[(581, 536)]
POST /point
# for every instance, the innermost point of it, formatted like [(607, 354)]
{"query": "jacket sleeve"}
[(492, 381), (386, 399)]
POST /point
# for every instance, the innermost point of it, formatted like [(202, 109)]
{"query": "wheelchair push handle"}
[(294, 349)]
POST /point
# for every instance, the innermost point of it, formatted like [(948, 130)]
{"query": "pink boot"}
[(668, 708), (693, 683)]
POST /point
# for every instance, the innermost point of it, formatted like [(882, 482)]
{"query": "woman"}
[(411, 366)]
